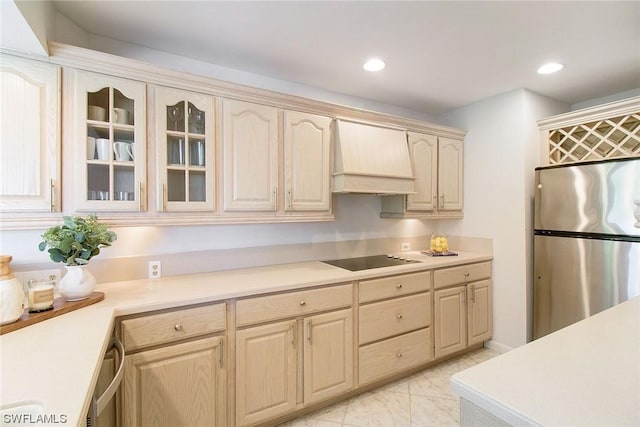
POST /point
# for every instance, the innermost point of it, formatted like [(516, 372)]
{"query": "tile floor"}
[(423, 399)]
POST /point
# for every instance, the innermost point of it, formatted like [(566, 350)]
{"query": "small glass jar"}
[(40, 295), (439, 243)]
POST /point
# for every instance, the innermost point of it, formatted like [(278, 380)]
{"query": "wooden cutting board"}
[(60, 307)]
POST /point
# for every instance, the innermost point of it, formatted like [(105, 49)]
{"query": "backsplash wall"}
[(357, 230)]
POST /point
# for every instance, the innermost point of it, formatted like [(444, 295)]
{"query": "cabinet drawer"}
[(462, 274), (387, 318), (163, 328), (280, 306), (394, 355), (388, 287)]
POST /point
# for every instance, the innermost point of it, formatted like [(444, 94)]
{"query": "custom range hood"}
[(371, 159)]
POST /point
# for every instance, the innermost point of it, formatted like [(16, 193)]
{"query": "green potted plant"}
[(74, 243)]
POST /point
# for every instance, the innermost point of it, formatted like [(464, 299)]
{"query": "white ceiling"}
[(440, 55)]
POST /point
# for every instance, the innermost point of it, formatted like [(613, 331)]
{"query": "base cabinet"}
[(268, 365), (450, 320), (177, 385), (479, 312), (462, 307), (328, 360), (265, 372), (291, 351), (394, 325)]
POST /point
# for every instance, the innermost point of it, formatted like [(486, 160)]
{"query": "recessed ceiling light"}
[(550, 67), (374, 64)]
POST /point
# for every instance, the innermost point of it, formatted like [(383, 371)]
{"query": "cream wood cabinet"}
[(185, 155), (462, 307), (450, 174), (289, 364), (266, 372), (307, 162), (29, 136), (424, 158), (438, 169), (394, 321), (175, 368), (266, 171), (108, 142), (328, 355), (177, 385), (250, 147)]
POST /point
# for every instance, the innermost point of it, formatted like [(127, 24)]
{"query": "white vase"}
[(77, 284), (11, 293)]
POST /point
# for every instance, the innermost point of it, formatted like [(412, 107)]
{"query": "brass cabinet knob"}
[(399, 315), (178, 327), (399, 286), (303, 303)]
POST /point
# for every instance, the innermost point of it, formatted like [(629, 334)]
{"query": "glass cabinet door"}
[(186, 150), (112, 122)]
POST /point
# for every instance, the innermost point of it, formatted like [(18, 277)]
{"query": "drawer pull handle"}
[(399, 315), (399, 354), (466, 274), (178, 327), (303, 302), (399, 286)]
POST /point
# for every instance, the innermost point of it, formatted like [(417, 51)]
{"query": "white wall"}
[(26, 25), (501, 150), (69, 33), (606, 99), (357, 217)]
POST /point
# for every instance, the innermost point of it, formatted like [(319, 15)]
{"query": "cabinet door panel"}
[(110, 143), (424, 158), (29, 136), (265, 372), (185, 155), (450, 321), (480, 320), (307, 140), (328, 355), (450, 178), (178, 385), (250, 139)]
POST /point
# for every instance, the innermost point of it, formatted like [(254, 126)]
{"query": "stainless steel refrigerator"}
[(586, 241)]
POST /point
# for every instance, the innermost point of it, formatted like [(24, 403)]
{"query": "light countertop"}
[(56, 362), (587, 374)]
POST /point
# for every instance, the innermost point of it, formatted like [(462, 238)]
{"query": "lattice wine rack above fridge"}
[(600, 139), (598, 136)]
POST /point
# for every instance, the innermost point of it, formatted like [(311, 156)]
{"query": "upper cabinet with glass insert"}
[(185, 126), (110, 143)]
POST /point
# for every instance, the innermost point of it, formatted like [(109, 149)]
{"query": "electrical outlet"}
[(405, 246), (155, 269)]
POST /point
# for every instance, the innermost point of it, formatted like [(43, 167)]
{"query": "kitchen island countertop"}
[(587, 374), (56, 362)]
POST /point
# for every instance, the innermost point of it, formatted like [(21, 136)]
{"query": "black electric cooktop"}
[(369, 262)]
